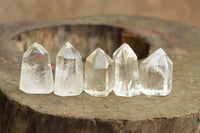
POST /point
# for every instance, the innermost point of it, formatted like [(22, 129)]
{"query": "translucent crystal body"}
[(98, 74), (125, 72), (156, 74), (69, 72), (36, 72)]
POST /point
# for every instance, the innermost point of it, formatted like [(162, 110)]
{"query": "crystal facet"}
[(69, 72), (98, 74), (125, 72), (156, 74), (36, 72)]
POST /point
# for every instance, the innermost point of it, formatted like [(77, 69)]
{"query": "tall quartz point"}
[(156, 74), (98, 69), (125, 72), (36, 72), (69, 72)]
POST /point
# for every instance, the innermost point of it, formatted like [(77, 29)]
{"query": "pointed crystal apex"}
[(36, 72), (159, 51), (69, 72), (68, 45), (125, 72), (125, 51), (69, 52), (35, 48), (99, 59), (158, 58), (98, 74), (156, 74)]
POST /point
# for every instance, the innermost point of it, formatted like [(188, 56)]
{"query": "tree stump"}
[(178, 112)]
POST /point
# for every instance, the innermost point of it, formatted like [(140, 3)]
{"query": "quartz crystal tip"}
[(98, 74), (69, 45), (36, 72), (125, 72), (156, 74), (69, 72), (125, 51)]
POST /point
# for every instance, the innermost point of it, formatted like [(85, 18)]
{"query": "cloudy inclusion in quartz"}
[(36, 72), (98, 74), (69, 72), (156, 74), (125, 72)]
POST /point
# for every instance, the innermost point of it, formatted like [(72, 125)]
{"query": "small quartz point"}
[(36, 72), (98, 69), (156, 74), (69, 72), (125, 72)]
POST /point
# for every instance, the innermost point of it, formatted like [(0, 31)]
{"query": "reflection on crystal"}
[(156, 74), (69, 72), (125, 72), (98, 74), (36, 72)]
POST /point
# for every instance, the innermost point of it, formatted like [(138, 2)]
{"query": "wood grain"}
[(178, 112), (184, 11)]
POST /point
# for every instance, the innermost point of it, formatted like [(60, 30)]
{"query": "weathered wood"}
[(178, 112), (170, 10)]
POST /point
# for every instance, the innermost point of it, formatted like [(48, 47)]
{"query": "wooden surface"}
[(184, 11), (178, 112)]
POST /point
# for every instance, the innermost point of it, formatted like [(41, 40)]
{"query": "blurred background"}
[(184, 11)]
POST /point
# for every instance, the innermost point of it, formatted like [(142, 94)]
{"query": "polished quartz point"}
[(98, 74), (125, 72), (36, 72), (156, 74), (69, 72)]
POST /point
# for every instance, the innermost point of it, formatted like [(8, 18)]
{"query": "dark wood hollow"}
[(85, 38)]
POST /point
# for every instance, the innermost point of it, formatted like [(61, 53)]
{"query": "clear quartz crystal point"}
[(69, 72), (98, 69), (125, 72), (36, 72), (156, 74)]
